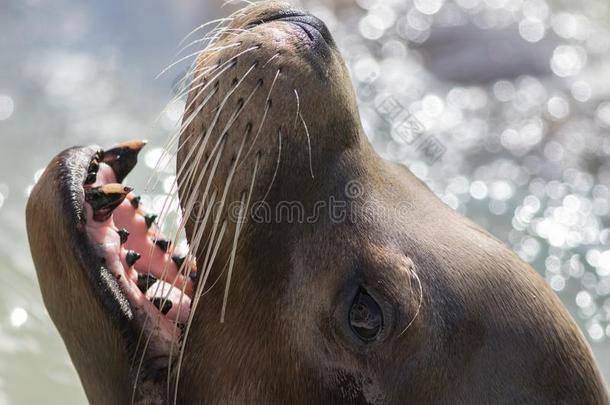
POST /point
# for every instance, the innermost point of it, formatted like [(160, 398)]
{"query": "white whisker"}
[(236, 236), (421, 301), (220, 21), (277, 164)]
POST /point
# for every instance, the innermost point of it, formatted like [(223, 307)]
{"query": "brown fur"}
[(467, 320), (92, 337)]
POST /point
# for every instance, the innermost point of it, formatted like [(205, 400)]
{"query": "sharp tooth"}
[(123, 158), (135, 202), (162, 304), (178, 260), (94, 166), (123, 234), (163, 244), (150, 219), (145, 281), (105, 199), (132, 257)]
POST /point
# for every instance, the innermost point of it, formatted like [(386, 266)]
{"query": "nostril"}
[(297, 17), (312, 25), (310, 20), (277, 15)]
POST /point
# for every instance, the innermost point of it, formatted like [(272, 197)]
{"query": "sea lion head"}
[(324, 274), (317, 297)]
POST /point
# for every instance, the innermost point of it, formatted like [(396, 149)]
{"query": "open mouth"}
[(130, 248)]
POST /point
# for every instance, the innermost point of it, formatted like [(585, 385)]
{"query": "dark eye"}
[(365, 317)]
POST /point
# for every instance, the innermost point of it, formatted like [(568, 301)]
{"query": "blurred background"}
[(511, 101)]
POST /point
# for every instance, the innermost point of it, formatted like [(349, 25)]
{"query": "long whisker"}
[(194, 245), (219, 154), (299, 115), (227, 127), (209, 264), (220, 21), (236, 238), (229, 124), (296, 115), (216, 117), (224, 67), (421, 301), (191, 315), (206, 37), (308, 144), (188, 121), (277, 164), (201, 149), (211, 176), (191, 55)]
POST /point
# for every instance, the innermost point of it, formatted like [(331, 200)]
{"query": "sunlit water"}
[(507, 104)]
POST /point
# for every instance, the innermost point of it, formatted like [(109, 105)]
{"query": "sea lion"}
[(319, 273)]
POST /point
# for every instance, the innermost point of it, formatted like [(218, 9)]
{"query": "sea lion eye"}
[(365, 317)]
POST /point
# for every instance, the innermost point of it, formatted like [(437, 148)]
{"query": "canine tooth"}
[(132, 257), (145, 281), (178, 260), (162, 304), (94, 166), (105, 199), (123, 158), (163, 244), (150, 219), (123, 234), (135, 202)]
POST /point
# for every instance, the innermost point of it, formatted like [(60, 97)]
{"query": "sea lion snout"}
[(262, 92), (265, 12)]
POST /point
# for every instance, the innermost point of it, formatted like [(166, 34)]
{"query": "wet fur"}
[(471, 323)]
